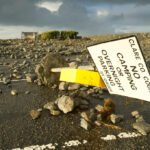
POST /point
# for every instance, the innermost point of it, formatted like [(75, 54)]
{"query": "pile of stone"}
[(140, 125), (89, 118), (100, 114)]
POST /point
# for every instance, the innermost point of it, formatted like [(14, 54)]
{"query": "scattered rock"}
[(116, 118), (35, 114), (54, 86), (99, 108), (30, 78), (39, 109), (63, 86), (6, 80), (73, 86), (27, 92), (55, 112), (142, 127), (98, 123), (83, 107), (135, 113), (14, 92), (84, 124), (50, 106), (99, 117), (66, 104), (73, 64)]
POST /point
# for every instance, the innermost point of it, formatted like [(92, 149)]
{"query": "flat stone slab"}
[(142, 127)]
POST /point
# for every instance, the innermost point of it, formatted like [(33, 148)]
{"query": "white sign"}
[(122, 67)]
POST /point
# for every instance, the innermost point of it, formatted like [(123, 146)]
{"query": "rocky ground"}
[(33, 114)]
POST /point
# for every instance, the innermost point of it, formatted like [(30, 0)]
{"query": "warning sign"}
[(122, 67)]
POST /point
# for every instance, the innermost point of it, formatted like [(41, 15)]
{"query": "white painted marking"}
[(109, 137), (53, 146), (14, 80), (128, 135), (121, 135)]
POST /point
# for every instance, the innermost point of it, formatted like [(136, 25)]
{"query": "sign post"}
[(122, 67)]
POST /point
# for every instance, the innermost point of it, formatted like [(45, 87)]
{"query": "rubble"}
[(116, 118), (84, 124), (66, 104), (35, 114), (63, 86), (73, 86), (142, 126), (14, 92), (31, 77)]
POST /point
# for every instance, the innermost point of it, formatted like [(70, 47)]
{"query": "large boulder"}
[(43, 69)]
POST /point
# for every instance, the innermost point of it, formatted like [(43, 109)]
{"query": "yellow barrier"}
[(91, 78)]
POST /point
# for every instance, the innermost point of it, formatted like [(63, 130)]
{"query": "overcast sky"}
[(89, 17)]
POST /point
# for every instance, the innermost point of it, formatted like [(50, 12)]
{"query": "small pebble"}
[(14, 92)]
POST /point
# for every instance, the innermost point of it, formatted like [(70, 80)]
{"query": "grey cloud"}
[(73, 14)]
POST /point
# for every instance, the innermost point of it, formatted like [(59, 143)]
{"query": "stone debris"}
[(31, 77), (84, 124), (55, 112), (35, 114), (66, 104), (43, 69), (135, 114), (52, 107), (6, 80), (14, 92), (73, 64), (142, 127), (27, 92), (73, 86), (63, 86), (116, 118), (99, 108)]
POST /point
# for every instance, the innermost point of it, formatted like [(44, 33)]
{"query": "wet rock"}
[(84, 124), (115, 118), (142, 127), (66, 104), (30, 78), (14, 92), (63, 86), (34, 114), (73, 87)]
